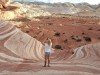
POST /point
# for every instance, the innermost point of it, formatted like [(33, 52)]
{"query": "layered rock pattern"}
[(88, 54), (17, 47), (19, 44)]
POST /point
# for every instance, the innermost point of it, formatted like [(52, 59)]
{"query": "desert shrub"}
[(58, 47), (65, 40), (73, 38), (35, 37), (83, 33), (27, 31), (78, 40), (88, 39), (63, 17), (50, 23), (72, 52), (90, 28), (72, 35), (57, 34), (98, 30), (99, 37)]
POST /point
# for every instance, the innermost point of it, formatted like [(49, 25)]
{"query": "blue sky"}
[(72, 1)]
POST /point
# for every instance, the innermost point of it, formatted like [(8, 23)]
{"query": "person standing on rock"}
[(48, 46)]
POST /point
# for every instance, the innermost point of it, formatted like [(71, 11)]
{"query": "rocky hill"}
[(69, 8), (16, 10), (34, 9)]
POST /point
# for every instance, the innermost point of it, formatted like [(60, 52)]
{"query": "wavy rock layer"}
[(88, 54), (19, 44), (18, 47)]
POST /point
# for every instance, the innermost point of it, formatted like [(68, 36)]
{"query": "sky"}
[(72, 1)]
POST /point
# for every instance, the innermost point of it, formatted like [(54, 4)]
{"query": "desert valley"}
[(73, 28)]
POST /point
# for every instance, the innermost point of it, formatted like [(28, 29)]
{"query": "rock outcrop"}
[(4, 3), (31, 11), (16, 10), (18, 49), (18, 46), (88, 54)]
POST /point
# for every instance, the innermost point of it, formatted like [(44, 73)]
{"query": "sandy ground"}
[(55, 69)]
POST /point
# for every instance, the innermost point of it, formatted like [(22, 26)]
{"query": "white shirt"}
[(47, 47)]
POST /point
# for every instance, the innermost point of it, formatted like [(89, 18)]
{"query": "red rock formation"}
[(18, 44), (18, 50), (4, 3)]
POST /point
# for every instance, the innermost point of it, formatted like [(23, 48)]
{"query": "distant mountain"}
[(69, 8)]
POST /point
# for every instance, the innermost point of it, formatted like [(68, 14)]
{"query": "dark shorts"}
[(47, 53)]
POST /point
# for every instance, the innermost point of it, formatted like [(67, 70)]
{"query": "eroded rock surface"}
[(18, 43), (4, 3), (22, 53)]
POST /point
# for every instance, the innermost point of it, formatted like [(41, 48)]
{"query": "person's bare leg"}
[(48, 61), (45, 61)]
